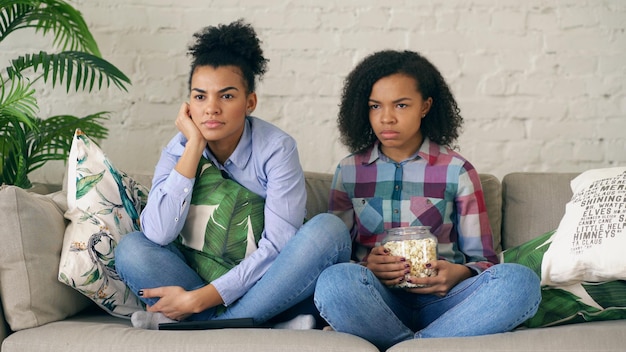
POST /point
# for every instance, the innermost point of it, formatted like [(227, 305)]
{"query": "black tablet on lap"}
[(210, 324)]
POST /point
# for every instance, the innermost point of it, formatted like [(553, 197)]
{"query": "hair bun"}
[(234, 41)]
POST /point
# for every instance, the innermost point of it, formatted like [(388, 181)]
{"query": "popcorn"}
[(417, 252)]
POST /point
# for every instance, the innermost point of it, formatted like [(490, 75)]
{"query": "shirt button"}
[(395, 211), (176, 219), (186, 190)]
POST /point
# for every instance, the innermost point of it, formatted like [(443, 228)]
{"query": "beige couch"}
[(521, 207)]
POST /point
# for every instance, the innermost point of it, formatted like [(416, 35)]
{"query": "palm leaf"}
[(218, 235), (13, 16), (17, 102), (17, 108), (530, 253), (52, 137), (13, 151), (608, 294), (82, 68), (28, 142), (56, 16)]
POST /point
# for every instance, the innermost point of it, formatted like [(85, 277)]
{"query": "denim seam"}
[(376, 296)]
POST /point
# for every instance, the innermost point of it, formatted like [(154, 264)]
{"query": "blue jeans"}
[(321, 242), (353, 300)]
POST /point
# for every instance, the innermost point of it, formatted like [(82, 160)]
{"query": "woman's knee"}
[(521, 277), (336, 276), (330, 227), (128, 249), (520, 273)]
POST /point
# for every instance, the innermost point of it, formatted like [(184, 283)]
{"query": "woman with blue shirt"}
[(216, 125)]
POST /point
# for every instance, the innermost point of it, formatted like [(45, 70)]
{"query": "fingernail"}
[(406, 265), (403, 259), (428, 265), (140, 293)]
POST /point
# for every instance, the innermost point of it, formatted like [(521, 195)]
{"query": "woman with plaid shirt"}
[(399, 119)]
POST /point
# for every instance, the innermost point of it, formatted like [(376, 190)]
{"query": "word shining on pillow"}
[(590, 240)]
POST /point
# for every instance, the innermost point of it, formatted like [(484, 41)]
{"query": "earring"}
[(424, 115)]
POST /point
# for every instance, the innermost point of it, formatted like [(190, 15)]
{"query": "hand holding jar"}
[(417, 245)]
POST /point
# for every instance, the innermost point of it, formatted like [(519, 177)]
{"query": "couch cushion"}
[(108, 333), (605, 336), (317, 192), (533, 204), (31, 235)]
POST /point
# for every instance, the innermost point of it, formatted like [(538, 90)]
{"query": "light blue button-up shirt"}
[(266, 162)]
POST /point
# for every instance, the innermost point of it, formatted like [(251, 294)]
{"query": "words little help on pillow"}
[(604, 211)]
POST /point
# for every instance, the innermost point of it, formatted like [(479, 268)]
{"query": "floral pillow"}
[(103, 205), (568, 304)]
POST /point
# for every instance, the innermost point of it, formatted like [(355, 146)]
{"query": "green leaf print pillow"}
[(224, 223), (568, 304)]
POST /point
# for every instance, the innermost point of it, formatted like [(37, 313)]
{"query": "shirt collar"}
[(243, 152), (428, 151)]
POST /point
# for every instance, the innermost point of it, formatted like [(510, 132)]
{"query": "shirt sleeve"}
[(474, 231), (168, 201), (285, 205), (340, 203)]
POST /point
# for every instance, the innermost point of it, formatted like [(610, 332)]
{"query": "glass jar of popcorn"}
[(417, 245)]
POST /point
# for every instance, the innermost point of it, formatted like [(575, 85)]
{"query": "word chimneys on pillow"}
[(589, 243), (103, 205)]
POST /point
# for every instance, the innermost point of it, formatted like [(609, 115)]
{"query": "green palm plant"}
[(27, 141)]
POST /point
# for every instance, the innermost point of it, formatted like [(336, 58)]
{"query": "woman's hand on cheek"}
[(448, 276), (185, 124), (389, 269)]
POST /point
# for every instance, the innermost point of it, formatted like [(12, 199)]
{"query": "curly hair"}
[(233, 44), (443, 122)]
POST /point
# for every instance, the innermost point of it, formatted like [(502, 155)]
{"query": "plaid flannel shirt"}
[(436, 187)]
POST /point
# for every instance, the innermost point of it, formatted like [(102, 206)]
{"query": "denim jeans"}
[(353, 300), (321, 242)]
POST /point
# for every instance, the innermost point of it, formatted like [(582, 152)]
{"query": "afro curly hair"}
[(442, 123), (233, 44)]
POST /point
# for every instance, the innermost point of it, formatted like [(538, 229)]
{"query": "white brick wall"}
[(541, 84)]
